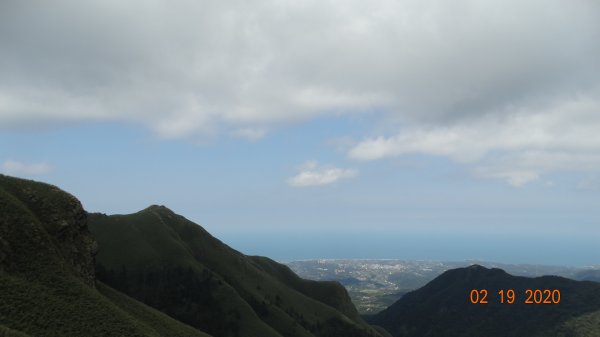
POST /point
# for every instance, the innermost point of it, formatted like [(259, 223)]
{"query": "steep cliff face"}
[(53, 221)]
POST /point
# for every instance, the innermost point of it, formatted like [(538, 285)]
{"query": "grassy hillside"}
[(442, 307), (328, 292), (174, 265), (7, 332), (162, 324), (587, 325), (47, 283)]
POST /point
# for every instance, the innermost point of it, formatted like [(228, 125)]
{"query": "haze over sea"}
[(544, 250)]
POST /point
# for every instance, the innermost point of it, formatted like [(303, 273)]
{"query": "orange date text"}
[(510, 296)]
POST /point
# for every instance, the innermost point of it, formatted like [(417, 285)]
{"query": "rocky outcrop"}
[(68, 227), (43, 216)]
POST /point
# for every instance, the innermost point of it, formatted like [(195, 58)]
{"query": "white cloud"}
[(461, 79), (515, 177), (523, 167), (567, 125), (518, 146), (186, 68), (313, 174), (27, 169)]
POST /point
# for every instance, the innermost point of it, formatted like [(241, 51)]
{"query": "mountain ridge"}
[(58, 277), (47, 272), (277, 296), (443, 308)]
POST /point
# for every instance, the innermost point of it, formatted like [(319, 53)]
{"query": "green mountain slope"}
[(443, 308), (328, 292), (47, 281), (587, 325), (174, 265)]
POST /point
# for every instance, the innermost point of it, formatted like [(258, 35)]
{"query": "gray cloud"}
[(183, 68)]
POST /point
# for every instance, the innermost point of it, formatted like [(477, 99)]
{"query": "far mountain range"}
[(375, 284)]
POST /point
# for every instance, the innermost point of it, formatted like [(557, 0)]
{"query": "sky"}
[(411, 129)]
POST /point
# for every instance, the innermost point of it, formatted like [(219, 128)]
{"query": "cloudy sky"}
[(297, 129)]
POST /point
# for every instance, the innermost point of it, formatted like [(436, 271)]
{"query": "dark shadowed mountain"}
[(47, 281), (443, 307), (188, 282), (174, 265)]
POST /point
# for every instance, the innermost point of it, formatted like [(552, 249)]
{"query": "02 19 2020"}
[(509, 296)]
